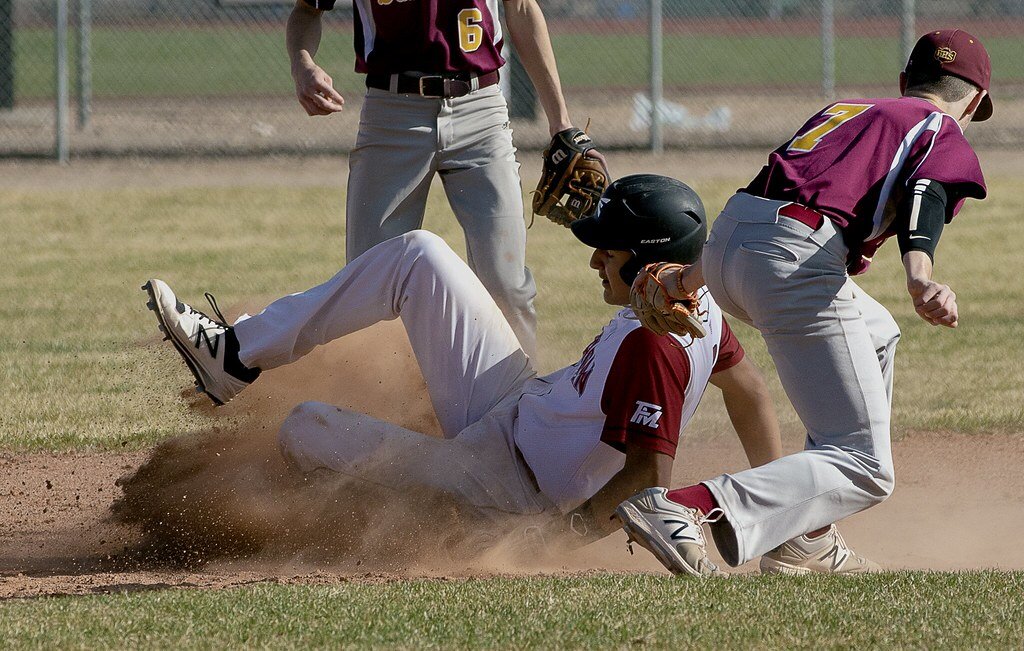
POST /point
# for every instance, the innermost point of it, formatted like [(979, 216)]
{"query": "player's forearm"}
[(693, 278), (918, 266), (529, 34), (934, 302), (757, 426), (751, 411), (302, 34), (594, 519), (643, 469)]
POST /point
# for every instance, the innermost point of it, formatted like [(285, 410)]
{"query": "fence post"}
[(6, 54), (907, 30), (828, 49), (61, 59), (84, 63), (657, 79)]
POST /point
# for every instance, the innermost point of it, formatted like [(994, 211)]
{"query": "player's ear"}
[(975, 103), (903, 83)]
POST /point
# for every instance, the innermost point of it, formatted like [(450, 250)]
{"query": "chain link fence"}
[(211, 77)]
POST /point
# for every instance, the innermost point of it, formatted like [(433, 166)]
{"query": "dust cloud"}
[(228, 492)]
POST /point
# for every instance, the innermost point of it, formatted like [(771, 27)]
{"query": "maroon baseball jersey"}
[(630, 387), (425, 35), (854, 160)]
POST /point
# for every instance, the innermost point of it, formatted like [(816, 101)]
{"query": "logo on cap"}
[(945, 55)]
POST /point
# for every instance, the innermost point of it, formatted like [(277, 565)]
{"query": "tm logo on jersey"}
[(646, 414)]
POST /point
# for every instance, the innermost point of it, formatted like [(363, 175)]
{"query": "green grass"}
[(81, 367), (905, 610), (69, 303), (224, 61)]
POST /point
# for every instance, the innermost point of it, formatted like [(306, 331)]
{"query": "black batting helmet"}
[(656, 218)]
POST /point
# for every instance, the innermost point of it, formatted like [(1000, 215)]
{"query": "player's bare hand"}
[(315, 90), (934, 302), (593, 153)]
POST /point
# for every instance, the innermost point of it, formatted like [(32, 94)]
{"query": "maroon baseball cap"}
[(955, 52)]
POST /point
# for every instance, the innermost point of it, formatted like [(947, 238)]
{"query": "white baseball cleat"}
[(199, 340), (827, 554), (672, 532)]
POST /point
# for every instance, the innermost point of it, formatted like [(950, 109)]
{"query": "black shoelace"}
[(219, 327), (216, 310)]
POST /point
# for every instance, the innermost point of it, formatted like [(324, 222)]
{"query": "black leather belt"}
[(432, 86)]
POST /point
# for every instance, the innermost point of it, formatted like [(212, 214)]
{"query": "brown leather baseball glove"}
[(661, 312), (571, 182)]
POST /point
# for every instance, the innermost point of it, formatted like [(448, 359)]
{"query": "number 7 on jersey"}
[(837, 115)]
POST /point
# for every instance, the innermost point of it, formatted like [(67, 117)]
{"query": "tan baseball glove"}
[(661, 312), (571, 182)]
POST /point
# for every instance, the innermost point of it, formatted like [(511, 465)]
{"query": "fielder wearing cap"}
[(781, 258), (952, 52), (567, 447)]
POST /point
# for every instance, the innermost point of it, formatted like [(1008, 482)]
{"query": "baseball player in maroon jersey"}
[(571, 445), (433, 106), (781, 257)]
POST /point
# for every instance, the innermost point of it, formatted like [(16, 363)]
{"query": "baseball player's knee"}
[(871, 474), (885, 333), (290, 432), (426, 243), (892, 333), (296, 430), (427, 253), (884, 479)]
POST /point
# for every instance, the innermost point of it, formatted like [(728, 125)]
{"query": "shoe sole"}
[(639, 531), (777, 567), (182, 350), (771, 566)]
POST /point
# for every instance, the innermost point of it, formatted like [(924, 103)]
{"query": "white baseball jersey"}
[(631, 386), (513, 443)]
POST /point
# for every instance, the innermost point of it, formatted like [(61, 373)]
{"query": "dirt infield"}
[(235, 516), (217, 509)]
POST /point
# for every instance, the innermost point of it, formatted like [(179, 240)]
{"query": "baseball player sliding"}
[(571, 445), (433, 106), (780, 257)]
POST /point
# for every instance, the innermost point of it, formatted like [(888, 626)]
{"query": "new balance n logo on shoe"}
[(677, 534), (834, 553), (212, 346)]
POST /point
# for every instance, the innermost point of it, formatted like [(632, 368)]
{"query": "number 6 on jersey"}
[(470, 31)]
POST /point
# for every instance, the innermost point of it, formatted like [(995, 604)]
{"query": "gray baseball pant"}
[(471, 361), (833, 346), (403, 141)]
